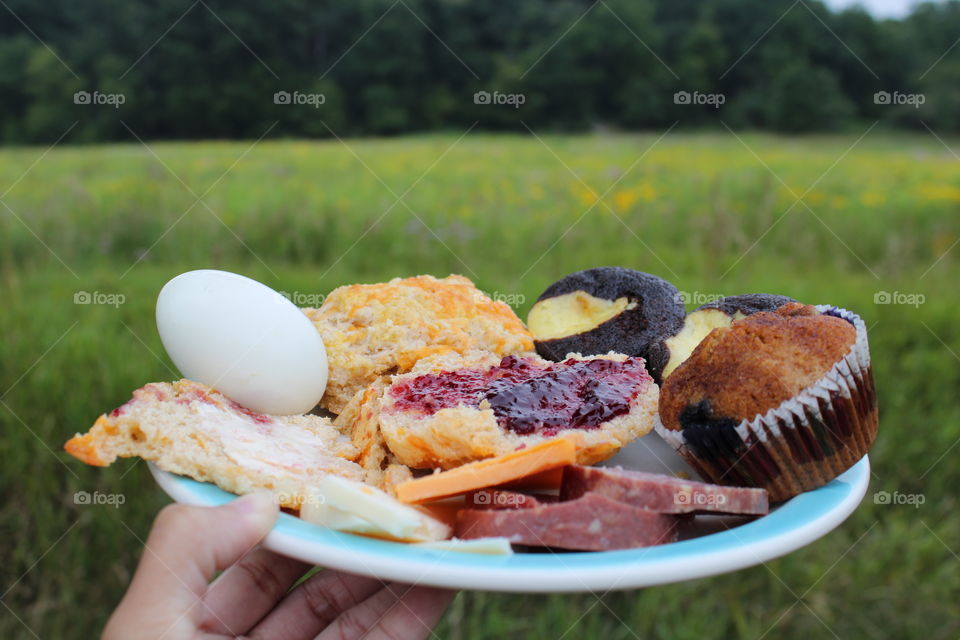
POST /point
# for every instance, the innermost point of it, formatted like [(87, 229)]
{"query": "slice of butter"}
[(484, 546), (346, 505)]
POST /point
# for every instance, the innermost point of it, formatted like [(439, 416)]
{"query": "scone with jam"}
[(452, 410)]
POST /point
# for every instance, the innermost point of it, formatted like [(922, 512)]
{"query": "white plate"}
[(716, 545)]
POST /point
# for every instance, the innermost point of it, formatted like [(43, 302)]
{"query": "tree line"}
[(215, 69)]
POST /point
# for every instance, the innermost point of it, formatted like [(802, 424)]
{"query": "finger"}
[(396, 611), (314, 605), (186, 546), (248, 590), (415, 616)]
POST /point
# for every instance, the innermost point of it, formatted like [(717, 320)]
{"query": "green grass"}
[(503, 210)]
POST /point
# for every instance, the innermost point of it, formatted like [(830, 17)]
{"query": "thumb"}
[(188, 545)]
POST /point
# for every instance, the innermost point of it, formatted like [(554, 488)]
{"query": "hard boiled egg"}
[(244, 339)]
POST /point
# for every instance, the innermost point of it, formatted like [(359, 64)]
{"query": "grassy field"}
[(713, 213)]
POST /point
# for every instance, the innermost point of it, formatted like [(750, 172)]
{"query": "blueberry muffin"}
[(782, 400)]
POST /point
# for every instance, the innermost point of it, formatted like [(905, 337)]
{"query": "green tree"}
[(806, 98), (50, 89), (15, 54)]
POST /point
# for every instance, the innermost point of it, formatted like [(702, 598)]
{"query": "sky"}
[(878, 8)]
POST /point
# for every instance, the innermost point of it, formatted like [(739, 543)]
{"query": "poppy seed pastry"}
[(782, 400), (371, 330), (451, 410), (719, 313), (606, 309), (747, 304)]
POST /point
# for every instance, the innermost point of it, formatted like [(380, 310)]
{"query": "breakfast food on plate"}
[(590, 523), (244, 339), (452, 410), (719, 313), (448, 423), (549, 454), (782, 400), (189, 429), (660, 493), (346, 505), (371, 330), (606, 309)]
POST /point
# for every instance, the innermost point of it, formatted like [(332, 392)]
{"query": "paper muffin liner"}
[(803, 443)]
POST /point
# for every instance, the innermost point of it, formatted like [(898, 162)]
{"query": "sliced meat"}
[(661, 493), (590, 523)]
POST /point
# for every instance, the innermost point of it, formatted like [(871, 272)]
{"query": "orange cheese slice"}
[(550, 454), (548, 480)]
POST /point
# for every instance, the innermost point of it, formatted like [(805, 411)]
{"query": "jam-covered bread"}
[(371, 330), (449, 411), (190, 429), (782, 400), (719, 313), (606, 309)]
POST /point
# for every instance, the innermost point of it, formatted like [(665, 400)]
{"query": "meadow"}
[(88, 235)]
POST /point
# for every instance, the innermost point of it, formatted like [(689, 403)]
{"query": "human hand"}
[(171, 595)]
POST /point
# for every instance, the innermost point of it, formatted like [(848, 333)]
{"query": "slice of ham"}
[(590, 523), (661, 493)]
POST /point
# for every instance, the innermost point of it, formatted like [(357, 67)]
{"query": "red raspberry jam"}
[(525, 398)]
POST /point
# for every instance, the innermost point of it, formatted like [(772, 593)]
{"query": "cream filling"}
[(573, 313), (696, 327)]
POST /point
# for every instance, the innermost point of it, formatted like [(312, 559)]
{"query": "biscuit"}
[(360, 421)]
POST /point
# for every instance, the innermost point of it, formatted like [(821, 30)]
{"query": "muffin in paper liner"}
[(803, 443)]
